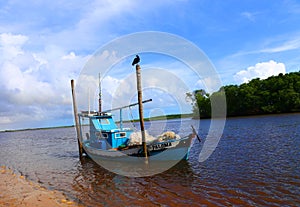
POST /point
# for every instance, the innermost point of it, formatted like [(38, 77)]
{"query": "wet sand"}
[(16, 190)]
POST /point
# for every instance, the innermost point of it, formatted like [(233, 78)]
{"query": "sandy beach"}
[(16, 190)]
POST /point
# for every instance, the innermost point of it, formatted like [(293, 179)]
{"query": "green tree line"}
[(277, 94)]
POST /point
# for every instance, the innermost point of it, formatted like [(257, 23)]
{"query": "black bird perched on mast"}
[(136, 60)]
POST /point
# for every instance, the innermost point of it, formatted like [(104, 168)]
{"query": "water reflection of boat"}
[(104, 140)]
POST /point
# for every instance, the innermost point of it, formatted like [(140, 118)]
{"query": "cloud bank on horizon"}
[(48, 43), (260, 70)]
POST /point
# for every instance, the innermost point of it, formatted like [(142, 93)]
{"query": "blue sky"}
[(44, 44)]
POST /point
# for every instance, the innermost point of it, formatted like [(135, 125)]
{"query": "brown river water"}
[(256, 163)]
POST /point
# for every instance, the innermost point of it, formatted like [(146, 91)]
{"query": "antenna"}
[(89, 102), (100, 95)]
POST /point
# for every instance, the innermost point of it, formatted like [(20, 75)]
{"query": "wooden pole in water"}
[(140, 102), (76, 119)]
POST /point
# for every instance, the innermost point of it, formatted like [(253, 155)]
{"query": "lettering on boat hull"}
[(160, 146)]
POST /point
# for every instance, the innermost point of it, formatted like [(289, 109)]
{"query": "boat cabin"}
[(104, 133)]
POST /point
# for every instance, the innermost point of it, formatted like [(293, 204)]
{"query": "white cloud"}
[(7, 39), (32, 84), (274, 45), (291, 44), (70, 56), (111, 84), (10, 45), (260, 70)]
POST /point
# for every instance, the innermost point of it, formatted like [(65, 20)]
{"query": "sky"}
[(44, 44)]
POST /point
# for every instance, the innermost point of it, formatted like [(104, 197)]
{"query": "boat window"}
[(100, 135), (104, 121), (121, 135), (104, 135)]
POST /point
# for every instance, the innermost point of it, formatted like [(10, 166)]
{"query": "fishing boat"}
[(101, 138), (106, 140)]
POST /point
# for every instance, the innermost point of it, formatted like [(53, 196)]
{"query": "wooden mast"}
[(76, 119), (140, 103)]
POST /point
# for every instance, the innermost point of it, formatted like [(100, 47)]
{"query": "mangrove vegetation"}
[(276, 94)]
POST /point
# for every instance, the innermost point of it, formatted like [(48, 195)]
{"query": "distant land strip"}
[(155, 118)]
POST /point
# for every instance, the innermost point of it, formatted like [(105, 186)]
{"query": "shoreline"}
[(16, 190)]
